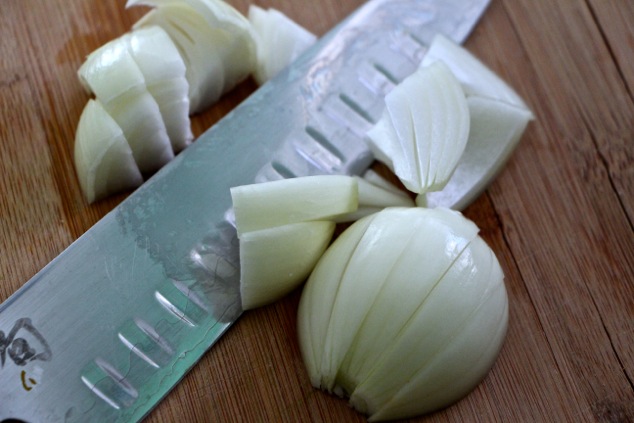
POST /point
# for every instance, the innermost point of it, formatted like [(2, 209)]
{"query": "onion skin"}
[(405, 313)]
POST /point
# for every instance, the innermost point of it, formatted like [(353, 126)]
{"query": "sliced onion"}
[(405, 313), (475, 77), (274, 261), (424, 128), (111, 73), (214, 39), (375, 194), (279, 41), (496, 128), (103, 158), (277, 203), (164, 71)]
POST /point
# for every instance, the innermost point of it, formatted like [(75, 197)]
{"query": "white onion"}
[(103, 158), (274, 261), (214, 39), (424, 128), (164, 71), (279, 41), (405, 313), (283, 228), (285, 201), (475, 77), (496, 128), (375, 194), (112, 74)]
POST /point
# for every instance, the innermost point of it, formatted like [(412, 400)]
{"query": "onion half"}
[(405, 313)]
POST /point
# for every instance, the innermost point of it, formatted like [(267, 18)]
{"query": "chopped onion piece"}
[(375, 194), (103, 158), (496, 128), (111, 73), (318, 297), (281, 202), (274, 261), (279, 41), (215, 41), (405, 312), (164, 71), (424, 128), (475, 77)]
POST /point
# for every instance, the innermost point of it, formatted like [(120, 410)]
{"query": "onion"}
[(214, 39), (285, 201), (279, 41), (476, 78), (283, 227), (103, 158), (112, 74), (496, 128), (424, 128), (164, 71), (274, 261), (404, 313), (375, 194)]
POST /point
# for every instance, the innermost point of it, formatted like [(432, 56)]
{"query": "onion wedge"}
[(274, 261), (164, 71), (214, 39), (375, 194), (496, 129), (103, 158), (112, 74), (277, 203), (424, 128), (476, 78), (279, 41), (284, 227)]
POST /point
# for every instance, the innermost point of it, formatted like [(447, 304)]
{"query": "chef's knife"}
[(105, 330)]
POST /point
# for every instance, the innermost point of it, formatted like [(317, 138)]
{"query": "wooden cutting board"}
[(560, 216)]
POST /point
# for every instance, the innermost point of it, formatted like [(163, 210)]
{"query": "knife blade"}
[(106, 329)]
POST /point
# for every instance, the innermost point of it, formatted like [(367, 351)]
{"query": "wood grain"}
[(560, 216)]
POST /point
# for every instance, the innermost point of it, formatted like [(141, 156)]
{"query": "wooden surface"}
[(560, 216)]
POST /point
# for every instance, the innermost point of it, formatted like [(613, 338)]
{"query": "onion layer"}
[(276, 203), (112, 74), (476, 78), (283, 228), (164, 71), (103, 158), (279, 41), (215, 40)]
